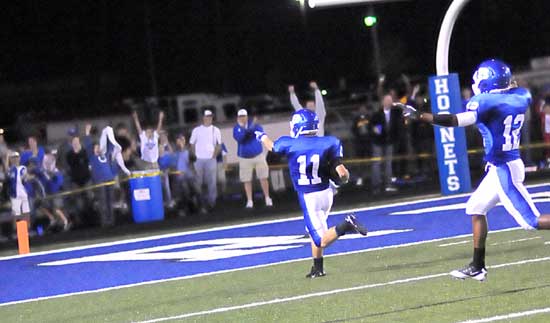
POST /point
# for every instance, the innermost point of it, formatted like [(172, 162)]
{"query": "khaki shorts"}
[(247, 165)]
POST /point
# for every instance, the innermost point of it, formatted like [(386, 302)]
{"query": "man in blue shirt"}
[(52, 179), (312, 162), (498, 108), (104, 170), (251, 157), (33, 152)]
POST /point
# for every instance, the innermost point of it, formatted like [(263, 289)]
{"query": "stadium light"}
[(370, 21), (333, 3)]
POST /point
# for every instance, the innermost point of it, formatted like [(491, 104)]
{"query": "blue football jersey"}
[(500, 117), (309, 160)]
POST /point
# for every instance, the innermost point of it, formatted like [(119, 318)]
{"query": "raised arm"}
[(264, 139), (293, 98), (161, 119), (446, 120), (136, 121), (319, 103)]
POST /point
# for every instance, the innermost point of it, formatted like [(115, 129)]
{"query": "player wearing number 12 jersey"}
[(498, 108), (311, 160)]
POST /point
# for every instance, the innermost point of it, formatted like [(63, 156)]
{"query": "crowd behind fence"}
[(385, 154)]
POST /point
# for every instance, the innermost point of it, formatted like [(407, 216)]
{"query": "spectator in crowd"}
[(386, 127), (317, 105), (423, 136), (125, 139), (3, 149), (466, 94), (185, 183), (4, 164), (79, 173), (51, 180), (65, 146), (251, 157), (18, 175), (149, 141), (361, 140), (205, 145), (77, 161), (165, 153), (104, 171), (34, 152), (221, 160)]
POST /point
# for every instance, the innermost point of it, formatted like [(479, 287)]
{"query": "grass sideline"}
[(512, 288)]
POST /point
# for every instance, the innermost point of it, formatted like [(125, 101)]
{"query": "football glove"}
[(408, 111)]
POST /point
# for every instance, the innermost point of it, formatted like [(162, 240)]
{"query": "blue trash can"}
[(146, 196)]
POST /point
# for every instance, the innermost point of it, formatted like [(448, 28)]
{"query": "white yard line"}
[(510, 316), (454, 243), (512, 241), (330, 292)]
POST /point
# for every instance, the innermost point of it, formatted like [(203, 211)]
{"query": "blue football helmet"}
[(304, 122), (491, 75)]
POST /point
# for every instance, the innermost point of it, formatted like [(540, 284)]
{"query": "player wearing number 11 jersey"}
[(498, 108), (311, 161)]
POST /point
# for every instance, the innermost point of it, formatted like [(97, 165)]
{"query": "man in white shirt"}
[(149, 141), (317, 105), (205, 145)]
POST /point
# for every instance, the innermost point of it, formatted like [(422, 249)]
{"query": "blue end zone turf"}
[(187, 254)]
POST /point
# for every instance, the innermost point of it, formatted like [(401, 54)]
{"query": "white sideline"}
[(236, 226), (250, 224), (237, 269), (509, 316), (330, 292)]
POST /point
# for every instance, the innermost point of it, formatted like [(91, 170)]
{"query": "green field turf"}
[(405, 284)]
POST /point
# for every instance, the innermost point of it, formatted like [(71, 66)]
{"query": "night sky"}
[(251, 46)]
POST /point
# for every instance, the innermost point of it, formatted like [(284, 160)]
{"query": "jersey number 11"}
[(304, 179)]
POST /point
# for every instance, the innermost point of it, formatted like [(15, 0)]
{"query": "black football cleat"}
[(314, 273), (470, 271), (359, 228)]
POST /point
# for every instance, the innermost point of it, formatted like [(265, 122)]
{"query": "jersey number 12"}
[(304, 179), (511, 137)]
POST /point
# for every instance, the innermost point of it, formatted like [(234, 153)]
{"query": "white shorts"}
[(316, 207), (504, 183), (19, 206), (247, 165)]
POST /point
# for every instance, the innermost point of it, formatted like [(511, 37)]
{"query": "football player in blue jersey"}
[(498, 108), (312, 162)]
